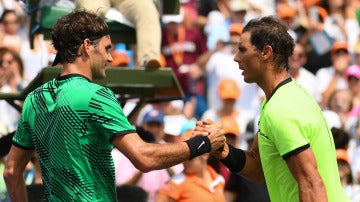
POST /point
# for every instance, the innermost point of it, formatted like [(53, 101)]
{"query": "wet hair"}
[(269, 30), (71, 30), (16, 58)]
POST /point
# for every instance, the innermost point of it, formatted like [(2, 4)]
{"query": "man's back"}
[(70, 123)]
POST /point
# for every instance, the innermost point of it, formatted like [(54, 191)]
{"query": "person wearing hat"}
[(239, 188), (73, 123), (287, 13), (127, 174), (198, 181), (333, 77), (221, 65), (353, 76), (228, 91), (183, 47)]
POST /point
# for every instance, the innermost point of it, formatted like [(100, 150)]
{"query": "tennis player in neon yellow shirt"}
[(294, 150)]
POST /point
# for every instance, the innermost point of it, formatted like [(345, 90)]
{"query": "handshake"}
[(208, 137)]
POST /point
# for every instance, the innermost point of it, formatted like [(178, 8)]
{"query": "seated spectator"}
[(11, 81), (302, 76), (353, 77), (333, 77), (241, 189), (198, 181), (152, 130)]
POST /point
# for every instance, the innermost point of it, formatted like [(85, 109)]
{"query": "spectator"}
[(346, 178), (353, 78), (229, 91), (287, 13), (126, 172), (12, 81), (340, 102), (198, 181), (333, 77), (11, 24), (182, 47), (302, 76), (241, 189), (221, 65)]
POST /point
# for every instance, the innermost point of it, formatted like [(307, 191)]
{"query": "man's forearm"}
[(16, 188)]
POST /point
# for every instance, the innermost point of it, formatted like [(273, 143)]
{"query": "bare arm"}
[(148, 156), (13, 174), (253, 168), (304, 169)]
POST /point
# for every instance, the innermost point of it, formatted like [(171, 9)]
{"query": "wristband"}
[(235, 160), (198, 145)]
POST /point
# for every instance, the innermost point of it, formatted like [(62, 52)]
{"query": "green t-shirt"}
[(290, 122), (71, 122)]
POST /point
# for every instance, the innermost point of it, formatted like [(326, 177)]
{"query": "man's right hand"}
[(214, 132)]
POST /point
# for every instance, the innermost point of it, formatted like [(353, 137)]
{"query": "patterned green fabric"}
[(71, 122)]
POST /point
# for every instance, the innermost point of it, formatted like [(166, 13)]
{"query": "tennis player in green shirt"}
[(73, 124)]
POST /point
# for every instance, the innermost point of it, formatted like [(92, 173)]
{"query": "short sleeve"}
[(107, 115), (22, 137), (287, 132)]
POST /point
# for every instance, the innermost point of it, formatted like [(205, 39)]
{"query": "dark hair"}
[(271, 31), (341, 138), (6, 12), (16, 58), (70, 31)]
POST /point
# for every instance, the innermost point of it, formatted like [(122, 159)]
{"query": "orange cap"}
[(230, 125), (338, 45), (120, 58), (308, 3), (228, 89), (341, 154), (285, 10), (236, 28)]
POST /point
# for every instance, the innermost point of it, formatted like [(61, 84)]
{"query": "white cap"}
[(173, 124), (239, 5)]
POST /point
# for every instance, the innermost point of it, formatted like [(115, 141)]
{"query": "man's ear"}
[(267, 52), (85, 47)]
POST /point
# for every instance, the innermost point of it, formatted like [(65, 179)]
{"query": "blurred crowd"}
[(199, 44)]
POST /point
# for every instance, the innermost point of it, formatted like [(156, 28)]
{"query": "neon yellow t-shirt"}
[(290, 122)]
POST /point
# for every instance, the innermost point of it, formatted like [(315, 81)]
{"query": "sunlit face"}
[(11, 23), (101, 57), (196, 165), (341, 101), (298, 58), (248, 58), (354, 85)]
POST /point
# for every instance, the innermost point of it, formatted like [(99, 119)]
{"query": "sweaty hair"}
[(271, 31), (71, 30)]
